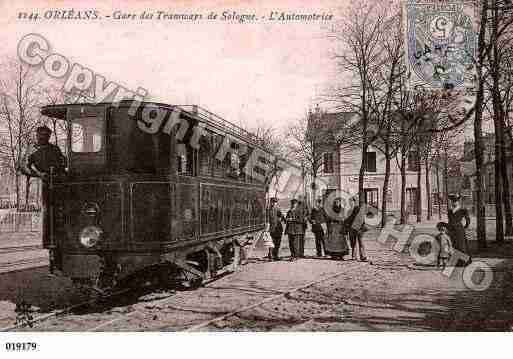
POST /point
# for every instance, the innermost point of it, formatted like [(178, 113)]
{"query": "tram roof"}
[(193, 111)]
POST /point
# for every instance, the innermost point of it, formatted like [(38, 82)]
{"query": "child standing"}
[(444, 242)]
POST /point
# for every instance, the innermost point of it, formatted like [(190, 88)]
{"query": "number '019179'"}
[(26, 346)]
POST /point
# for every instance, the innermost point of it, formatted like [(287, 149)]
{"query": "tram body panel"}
[(126, 206)]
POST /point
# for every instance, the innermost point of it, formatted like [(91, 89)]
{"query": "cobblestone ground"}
[(389, 292)]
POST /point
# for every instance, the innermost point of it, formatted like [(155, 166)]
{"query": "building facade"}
[(488, 172), (340, 168)]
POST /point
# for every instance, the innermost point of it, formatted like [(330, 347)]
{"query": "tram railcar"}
[(138, 196)]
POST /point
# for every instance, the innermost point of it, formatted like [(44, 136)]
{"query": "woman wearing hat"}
[(456, 216), (336, 244)]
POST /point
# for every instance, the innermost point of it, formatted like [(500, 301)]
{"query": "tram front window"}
[(86, 135)]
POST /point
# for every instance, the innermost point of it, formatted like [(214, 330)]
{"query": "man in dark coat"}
[(295, 228), (274, 218), (301, 205), (39, 164), (45, 156), (355, 224), (317, 218)]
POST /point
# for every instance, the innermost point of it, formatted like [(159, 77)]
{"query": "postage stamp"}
[(442, 42)]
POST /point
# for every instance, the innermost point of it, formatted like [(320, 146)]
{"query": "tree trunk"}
[(404, 220), (506, 197), (361, 175), (54, 125), (428, 191), (446, 181), (439, 198), (27, 191), (385, 188), (478, 131), (314, 187), (419, 188), (499, 219), (17, 183)]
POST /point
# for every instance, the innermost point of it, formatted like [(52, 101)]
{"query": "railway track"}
[(7, 250), (22, 262), (189, 317), (284, 294), (56, 313), (97, 299)]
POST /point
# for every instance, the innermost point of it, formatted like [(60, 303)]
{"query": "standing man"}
[(301, 205), (295, 228), (39, 164), (317, 218), (45, 156), (274, 218), (355, 224)]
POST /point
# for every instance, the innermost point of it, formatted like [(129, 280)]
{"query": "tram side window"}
[(185, 159), (218, 166), (243, 158), (134, 150), (86, 135), (162, 147), (206, 155), (150, 153), (233, 160), (247, 172)]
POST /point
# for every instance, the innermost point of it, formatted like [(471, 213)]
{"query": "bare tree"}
[(360, 35), (19, 115), (499, 51), (303, 139)]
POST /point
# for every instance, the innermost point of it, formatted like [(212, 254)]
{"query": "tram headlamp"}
[(90, 236), (91, 209)]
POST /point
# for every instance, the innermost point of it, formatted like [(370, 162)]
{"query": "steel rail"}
[(6, 250), (263, 301), (36, 260), (58, 312)]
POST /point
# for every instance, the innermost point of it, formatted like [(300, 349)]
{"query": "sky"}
[(261, 73)]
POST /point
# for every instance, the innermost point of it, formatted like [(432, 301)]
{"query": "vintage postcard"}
[(254, 166)]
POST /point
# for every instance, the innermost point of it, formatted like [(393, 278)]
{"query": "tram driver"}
[(39, 163), (45, 156)]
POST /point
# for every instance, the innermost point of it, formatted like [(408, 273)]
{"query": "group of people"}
[(335, 229), (452, 235), (331, 230)]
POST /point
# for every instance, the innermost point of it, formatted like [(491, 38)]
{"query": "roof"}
[(331, 125), (192, 111)]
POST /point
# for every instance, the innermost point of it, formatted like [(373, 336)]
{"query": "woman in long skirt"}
[(336, 244), (456, 216)]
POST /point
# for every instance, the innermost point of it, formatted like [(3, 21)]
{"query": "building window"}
[(491, 197), (413, 161), (371, 196), (328, 163), (370, 161)]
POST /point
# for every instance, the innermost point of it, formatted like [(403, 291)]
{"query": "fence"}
[(20, 222)]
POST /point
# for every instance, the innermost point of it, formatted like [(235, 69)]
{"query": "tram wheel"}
[(173, 276)]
